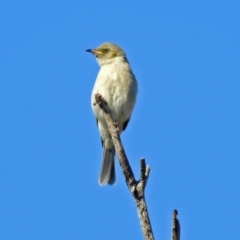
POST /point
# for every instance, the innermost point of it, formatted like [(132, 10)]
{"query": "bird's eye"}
[(105, 50)]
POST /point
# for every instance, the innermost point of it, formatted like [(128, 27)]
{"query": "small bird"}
[(117, 85)]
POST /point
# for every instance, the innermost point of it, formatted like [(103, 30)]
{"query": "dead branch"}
[(136, 187), (175, 226)]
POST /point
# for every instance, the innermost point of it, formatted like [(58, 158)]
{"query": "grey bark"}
[(136, 187), (175, 226)]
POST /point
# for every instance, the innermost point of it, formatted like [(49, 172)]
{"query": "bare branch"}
[(136, 187), (175, 226)]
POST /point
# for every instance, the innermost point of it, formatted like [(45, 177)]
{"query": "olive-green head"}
[(107, 52)]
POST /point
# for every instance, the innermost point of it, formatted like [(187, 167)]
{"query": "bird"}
[(118, 86)]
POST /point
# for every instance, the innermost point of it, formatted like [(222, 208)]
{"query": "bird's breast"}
[(118, 86)]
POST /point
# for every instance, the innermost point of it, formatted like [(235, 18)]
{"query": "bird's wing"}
[(125, 124)]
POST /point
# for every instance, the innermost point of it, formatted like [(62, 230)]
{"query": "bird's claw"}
[(116, 130)]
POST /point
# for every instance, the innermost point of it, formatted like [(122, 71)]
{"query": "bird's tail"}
[(107, 172)]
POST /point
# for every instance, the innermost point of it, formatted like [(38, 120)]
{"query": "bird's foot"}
[(115, 124), (116, 130)]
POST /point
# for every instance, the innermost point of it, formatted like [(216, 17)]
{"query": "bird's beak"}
[(93, 51), (89, 50)]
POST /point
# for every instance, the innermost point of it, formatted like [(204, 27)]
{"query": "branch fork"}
[(136, 187)]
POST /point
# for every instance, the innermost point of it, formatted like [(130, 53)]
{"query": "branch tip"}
[(136, 187), (175, 226), (142, 169)]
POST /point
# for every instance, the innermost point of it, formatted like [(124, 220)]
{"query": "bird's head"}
[(107, 52)]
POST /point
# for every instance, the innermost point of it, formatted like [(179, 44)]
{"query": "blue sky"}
[(186, 58)]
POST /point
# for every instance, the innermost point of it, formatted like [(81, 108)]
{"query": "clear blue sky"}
[(186, 57)]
